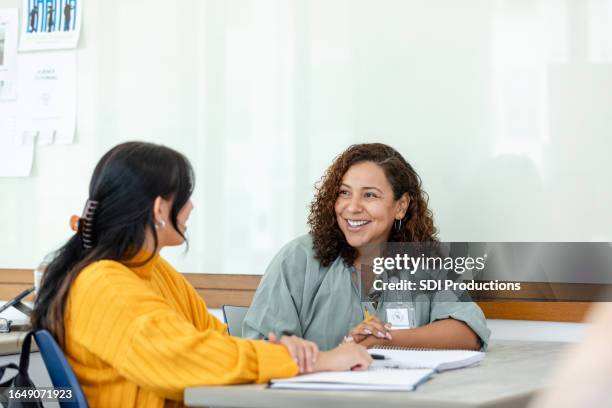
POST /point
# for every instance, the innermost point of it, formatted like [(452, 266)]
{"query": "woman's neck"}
[(149, 244)]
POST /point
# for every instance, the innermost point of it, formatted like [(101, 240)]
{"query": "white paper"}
[(16, 153), (47, 96), (8, 54), (372, 379), (439, 360), (50, 24)]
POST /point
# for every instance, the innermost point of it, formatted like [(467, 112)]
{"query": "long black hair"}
[(125, 184)]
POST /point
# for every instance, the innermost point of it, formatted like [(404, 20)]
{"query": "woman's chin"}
[(356, 241)]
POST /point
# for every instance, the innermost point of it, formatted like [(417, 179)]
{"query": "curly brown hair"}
[(417, 225)]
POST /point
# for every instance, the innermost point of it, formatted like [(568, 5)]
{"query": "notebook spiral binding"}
[(416, 348)]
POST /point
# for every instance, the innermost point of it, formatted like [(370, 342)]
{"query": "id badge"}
[(401, 317)]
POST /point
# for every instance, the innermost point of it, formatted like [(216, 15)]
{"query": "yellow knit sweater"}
[(138, 336)]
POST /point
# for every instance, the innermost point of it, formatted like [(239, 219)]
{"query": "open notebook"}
[(374, 379), (438, 360)]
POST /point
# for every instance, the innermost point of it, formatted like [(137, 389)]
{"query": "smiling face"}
[(366, 207)]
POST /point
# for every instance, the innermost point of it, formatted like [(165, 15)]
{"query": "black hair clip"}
[(85, 229)]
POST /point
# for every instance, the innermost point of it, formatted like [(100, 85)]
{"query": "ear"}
[(158, 213), (401, 206)]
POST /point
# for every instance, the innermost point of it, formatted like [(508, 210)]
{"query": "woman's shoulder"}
[(100, 279), (162, 264), (302, 243), (102, 269), (110, 279), (109, 271), (164, 271), (292, 266), (298, 249), (294, 257)]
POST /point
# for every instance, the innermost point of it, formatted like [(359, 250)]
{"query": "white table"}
[(508, 377)]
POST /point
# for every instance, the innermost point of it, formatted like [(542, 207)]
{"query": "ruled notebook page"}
[(439, 360)]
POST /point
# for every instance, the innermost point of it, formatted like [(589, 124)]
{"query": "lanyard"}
[(368, 308)]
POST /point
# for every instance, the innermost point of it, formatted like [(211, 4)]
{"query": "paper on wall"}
[(16, 152), (47, 96), (50, 24), (8, 54)]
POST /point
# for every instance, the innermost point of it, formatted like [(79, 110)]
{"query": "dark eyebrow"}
[(363, 188), (373, 188)]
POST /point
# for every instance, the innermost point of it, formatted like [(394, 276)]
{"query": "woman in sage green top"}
[(369, 196)]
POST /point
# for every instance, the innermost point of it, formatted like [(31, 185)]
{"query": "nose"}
[(354, 205)]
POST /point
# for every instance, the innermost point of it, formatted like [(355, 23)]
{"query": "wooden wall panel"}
[(10, 290), (541, 311), (15, 281), (16, 276), (215, 298), (223, 281), (220, 289), (558, 292)]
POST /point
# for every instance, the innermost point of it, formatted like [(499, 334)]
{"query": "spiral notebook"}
[(374, 379), (438, 360)]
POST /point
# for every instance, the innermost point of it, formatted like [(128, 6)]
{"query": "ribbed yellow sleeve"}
[(119, 317), (195, 305)]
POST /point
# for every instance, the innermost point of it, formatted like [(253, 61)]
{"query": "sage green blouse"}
[(298, 296)]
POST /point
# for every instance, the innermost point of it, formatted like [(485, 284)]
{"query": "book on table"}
[(373, 379), (402, 369)]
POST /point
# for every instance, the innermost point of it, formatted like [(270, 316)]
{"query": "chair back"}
[(233, 316), (60, 372)]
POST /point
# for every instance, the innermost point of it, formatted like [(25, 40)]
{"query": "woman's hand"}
[(305, 353), (347, 356), (372, 341), (371, 326)]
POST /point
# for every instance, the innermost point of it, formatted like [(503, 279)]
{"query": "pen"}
[(366, 314)]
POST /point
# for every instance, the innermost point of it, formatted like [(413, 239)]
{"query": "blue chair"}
[(60, 372)]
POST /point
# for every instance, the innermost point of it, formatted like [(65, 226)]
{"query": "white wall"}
[(502, 107), (536, 331)]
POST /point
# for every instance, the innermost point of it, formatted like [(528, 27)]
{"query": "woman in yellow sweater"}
[(134, 330)]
